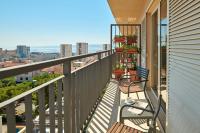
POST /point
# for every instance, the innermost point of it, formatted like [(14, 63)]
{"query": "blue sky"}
[(51, 22)]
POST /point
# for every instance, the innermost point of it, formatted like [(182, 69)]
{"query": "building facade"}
[(24, 77), (23, 51), (65, 50), (106, 46), (81, 48)]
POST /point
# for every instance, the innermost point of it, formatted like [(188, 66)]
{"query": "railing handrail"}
[(16, 70)]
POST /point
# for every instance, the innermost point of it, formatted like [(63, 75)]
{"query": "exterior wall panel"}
[(184, 67)]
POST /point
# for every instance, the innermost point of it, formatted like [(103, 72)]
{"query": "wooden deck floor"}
[(107, 112)]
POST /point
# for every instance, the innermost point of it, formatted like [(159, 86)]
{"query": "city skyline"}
[(58, 23)]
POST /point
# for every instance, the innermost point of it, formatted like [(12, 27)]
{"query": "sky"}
[(52, 22)]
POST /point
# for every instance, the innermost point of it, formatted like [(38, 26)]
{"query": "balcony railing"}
[(72, 96)]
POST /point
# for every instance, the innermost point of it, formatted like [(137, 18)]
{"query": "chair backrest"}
[(142, 72)]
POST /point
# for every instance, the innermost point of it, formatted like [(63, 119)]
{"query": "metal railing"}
[(72, 96)]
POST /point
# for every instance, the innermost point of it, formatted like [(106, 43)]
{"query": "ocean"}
[(56, 49)]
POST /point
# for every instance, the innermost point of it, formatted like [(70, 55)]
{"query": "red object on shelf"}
[(119, 50), (129, 60), (132, 39), (118, 73), (132, 51), (121, 39)]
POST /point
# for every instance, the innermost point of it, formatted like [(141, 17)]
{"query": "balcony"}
[(86, 99)]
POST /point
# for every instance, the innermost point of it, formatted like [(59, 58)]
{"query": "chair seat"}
[(126, 114), (135, 88), (121, 128)]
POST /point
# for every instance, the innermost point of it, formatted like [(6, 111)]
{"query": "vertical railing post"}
[(11, 122), (100, 66), (77, 101), (52, 108), (59, 107), (110, 63), (28, 114), (42, 118), (67, 97), (73, 102)]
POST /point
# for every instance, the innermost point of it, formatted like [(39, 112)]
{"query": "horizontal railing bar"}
[(16, 70), (20, 96)]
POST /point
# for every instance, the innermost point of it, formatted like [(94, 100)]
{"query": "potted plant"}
[(132, 50), (118, 71), (131, 58), (133, 72), (120, 48), (119, 39), (131, 39)]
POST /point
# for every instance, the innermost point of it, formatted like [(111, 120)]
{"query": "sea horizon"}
[(56, 49)]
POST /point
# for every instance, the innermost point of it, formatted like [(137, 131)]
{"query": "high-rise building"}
[(81, 48), (65, 50), (1, 50), (23, 51), (106, 46)]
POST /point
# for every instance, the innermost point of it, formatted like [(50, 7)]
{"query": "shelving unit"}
[(126, 40)]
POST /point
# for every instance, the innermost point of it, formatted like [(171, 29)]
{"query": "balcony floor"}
[(107, 111)]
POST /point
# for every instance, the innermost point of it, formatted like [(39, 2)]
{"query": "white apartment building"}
[(65, 50), (106, 46), (81, 48)]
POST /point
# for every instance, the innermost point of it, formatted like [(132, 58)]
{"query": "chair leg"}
[(121, 120), (137, 95), (119, 93), (147, 122)]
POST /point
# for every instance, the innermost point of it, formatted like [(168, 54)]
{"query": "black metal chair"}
[(127, 86), (149, 114), (119, 127)]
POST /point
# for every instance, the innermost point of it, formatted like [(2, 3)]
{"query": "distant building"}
[(1, 51), (106, 46), (81, 48), (23, 51), (24, 77), (65, 50)]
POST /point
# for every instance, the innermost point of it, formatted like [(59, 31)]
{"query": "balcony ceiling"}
[(128, 11)]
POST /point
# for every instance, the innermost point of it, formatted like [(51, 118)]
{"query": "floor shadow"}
[(106, 112)]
